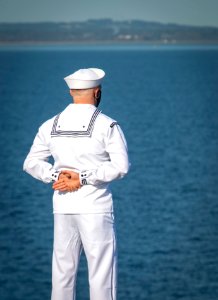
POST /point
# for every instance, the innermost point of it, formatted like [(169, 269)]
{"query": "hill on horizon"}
[(106, 30)]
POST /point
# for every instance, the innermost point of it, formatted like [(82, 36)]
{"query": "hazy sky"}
[(194, 12)]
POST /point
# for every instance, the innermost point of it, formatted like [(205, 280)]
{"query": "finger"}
[(67, 189), (63, 180), (65, 175), (71, 174), (61, 185), (74, 188), (61, 176), (62, 189), (67, 172), (58, 181), (57, 185)]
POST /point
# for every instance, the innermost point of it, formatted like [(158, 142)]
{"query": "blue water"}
[(166, 100)]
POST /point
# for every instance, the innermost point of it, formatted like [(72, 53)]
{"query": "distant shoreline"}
[(106, 31), (108, 43)]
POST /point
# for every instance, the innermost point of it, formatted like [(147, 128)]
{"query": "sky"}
[(190, 12)]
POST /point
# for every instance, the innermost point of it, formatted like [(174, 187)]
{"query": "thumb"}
[(66, 173)]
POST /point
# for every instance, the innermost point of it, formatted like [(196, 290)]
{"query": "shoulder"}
[(48, 123), (106, 120), (46, 127)]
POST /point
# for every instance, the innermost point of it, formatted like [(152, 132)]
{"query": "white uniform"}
[(86, 141)]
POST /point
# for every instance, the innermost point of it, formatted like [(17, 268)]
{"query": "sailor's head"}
[(85, 85)]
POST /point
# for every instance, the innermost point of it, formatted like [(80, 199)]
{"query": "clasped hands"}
[(68, 181)]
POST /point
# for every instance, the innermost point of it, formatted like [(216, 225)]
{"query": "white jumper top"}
[(84, 140)]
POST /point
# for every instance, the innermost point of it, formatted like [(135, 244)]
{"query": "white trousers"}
[(95, 233)]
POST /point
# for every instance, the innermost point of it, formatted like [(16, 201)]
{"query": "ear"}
[(71, 93), (97, 93)]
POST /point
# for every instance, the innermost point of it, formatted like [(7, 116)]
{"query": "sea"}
[(165, 99)]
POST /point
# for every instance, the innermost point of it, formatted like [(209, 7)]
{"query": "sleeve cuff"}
[(83, 175), (55, 175)]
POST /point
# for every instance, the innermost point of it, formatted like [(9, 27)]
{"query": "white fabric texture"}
[(96, 233), (80, 139), (85, 78), (86, 141)]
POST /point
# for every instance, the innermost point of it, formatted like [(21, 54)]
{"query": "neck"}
[(83, 96), (84, 101)]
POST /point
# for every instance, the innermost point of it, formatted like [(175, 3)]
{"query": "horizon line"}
[(109, 19)]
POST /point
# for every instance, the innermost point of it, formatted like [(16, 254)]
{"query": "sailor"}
[(89, 151)]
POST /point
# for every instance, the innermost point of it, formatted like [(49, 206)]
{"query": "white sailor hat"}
[(85, 78)]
